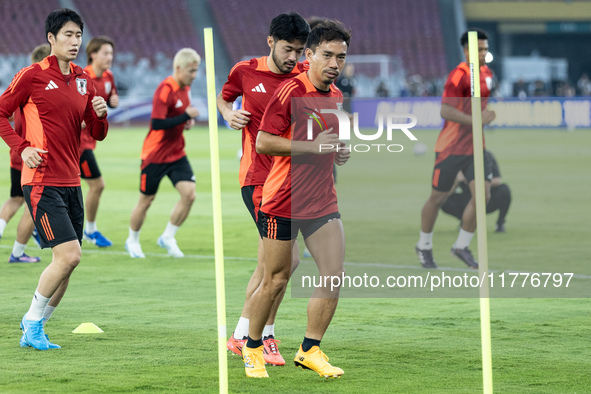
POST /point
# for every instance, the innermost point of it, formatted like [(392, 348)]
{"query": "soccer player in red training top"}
[(454, 153), (163, 153), (256, 80), (99, 52), (55, 97), (314, 211), (26, 226)]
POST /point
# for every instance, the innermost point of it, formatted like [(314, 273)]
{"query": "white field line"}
[(376, 265)]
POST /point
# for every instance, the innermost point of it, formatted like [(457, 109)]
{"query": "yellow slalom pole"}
[(216, 194), (487, 380)]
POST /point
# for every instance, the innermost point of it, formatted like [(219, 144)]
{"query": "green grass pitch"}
[(159, 314)]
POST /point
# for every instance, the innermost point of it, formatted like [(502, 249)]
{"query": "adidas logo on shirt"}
[(259, 88), (51, 85), (178, 104)]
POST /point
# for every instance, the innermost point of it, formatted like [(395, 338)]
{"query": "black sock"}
[(308, 343), (254, 343)]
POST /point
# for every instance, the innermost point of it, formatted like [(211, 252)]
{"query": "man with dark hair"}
[(26, 226), (454, 153), (55, 96), (314, 212), (500, 195), (99, 51), (256, 80)]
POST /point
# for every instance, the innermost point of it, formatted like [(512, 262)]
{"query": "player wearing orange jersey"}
[(163, 153), (302, 168), (454, 153), (26, 226), (99, 52), (55, 97), (256, 80)]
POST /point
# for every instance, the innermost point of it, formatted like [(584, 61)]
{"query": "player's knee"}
[(190, 196), (18, 200), (437, 199), (504, 192), (277, 283), (99, 185), (146, 201), (70, 259)]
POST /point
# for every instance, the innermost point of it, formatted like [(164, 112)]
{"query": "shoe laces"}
[(272, 344), (252, 358), (36, 328)]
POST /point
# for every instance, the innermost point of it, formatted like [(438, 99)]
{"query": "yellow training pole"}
[(480, 214), (216, 196)]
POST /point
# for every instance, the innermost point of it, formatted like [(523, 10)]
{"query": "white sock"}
[(241, 330), (134, 235), (269, 330), (18, 249), (91, 227), (47, 313), (464, 239), (2, 226), (170, 231), (38, 306), (426, 241)]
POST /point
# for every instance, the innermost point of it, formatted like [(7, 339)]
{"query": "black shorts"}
[(58, 213), (15, 183), (252, 196), (285, 229), (176, 171), (445, 172), (88, 166)]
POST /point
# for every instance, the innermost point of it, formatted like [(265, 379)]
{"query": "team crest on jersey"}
[(81, 85), (107, 87)]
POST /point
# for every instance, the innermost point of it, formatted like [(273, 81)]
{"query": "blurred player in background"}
[(500, 195), (55, 97), (256, 80), (99, 52), (281, 217), (454, 152), (163, 153), (26, 226)]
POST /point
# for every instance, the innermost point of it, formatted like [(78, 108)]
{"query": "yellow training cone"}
[(87, 328)]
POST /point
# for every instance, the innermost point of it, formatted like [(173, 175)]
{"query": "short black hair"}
[(58, 18), (481, 36), (289, 27), (326, 31)]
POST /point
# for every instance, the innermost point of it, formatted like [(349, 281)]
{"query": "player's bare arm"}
[(192, 112), (100, 106), (343, 155), (189, 123), (274, 145), (453, 114), (114, 101), (236, 118)]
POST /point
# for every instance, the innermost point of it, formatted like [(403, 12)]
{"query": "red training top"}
[(300, 187), (455, 138), (105, 87), (166, 146), (53, 107), (253, 80)]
